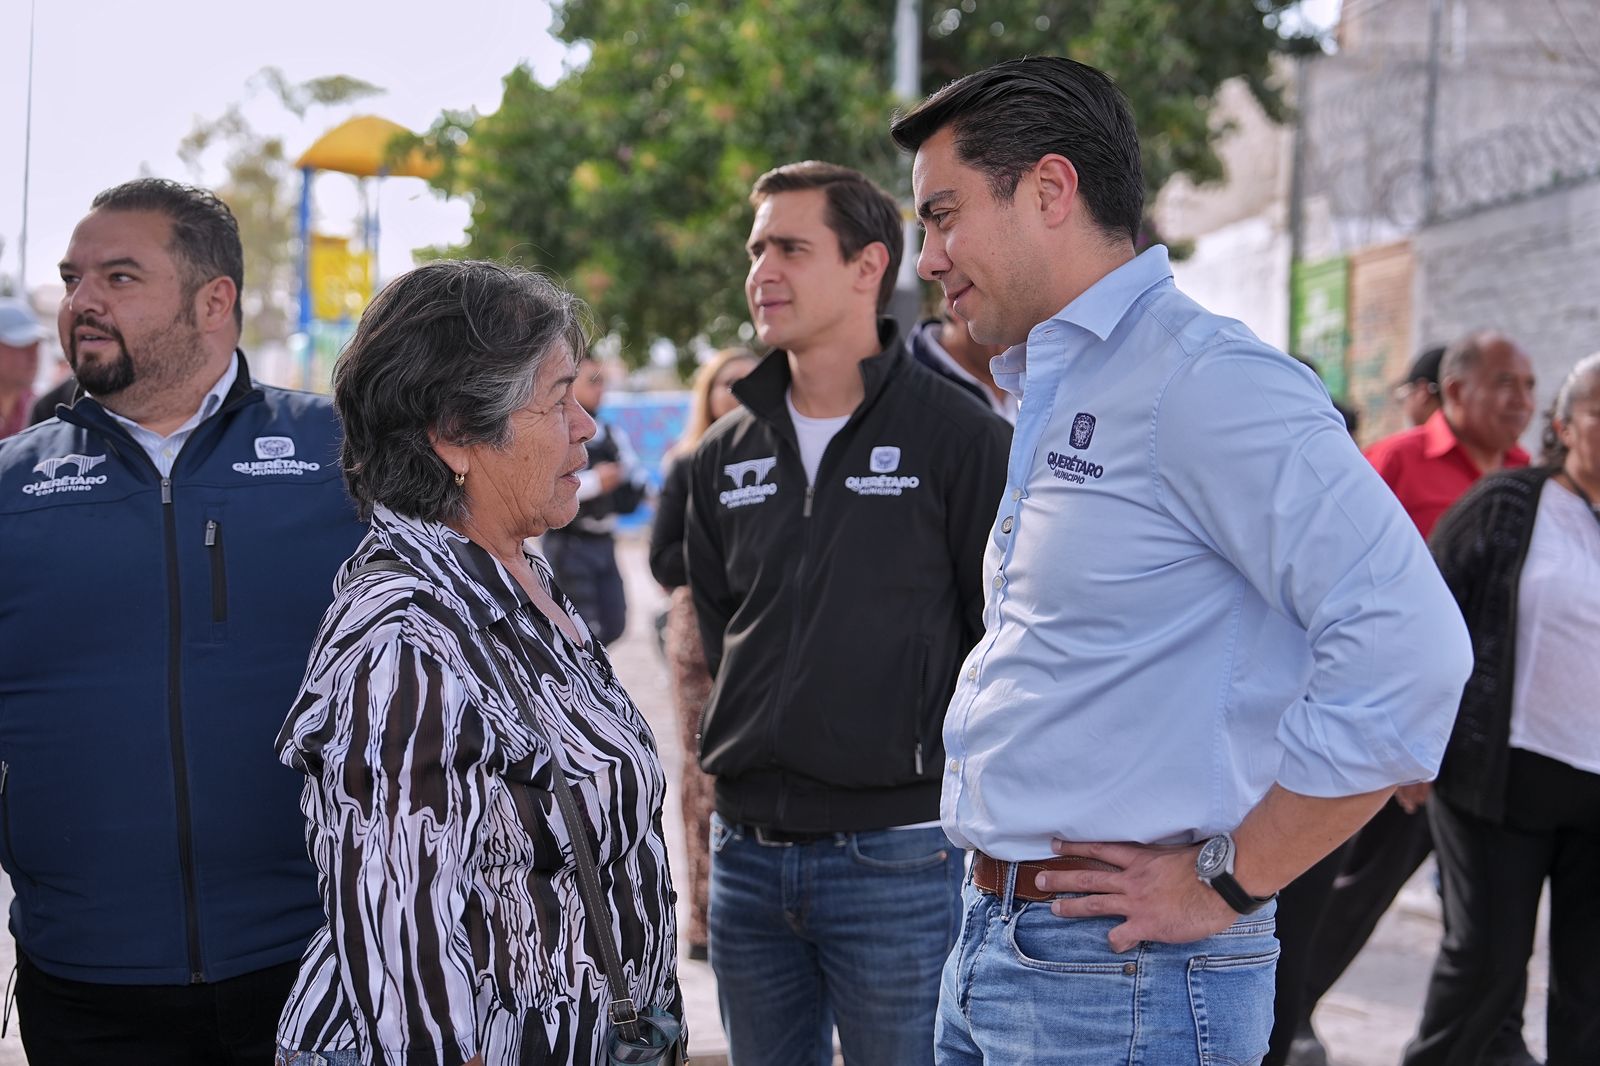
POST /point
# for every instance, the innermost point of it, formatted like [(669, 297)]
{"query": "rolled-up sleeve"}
[(1251, 458), (403, 798)]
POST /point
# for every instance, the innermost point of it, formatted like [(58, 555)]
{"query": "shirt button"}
[(955, 766), (1005, 527), (972, 673), (999, 579), (1016, 494)]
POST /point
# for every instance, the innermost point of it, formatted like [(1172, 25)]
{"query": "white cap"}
[(19, 326)]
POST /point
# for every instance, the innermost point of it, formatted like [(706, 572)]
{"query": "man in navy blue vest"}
[(170, 542)]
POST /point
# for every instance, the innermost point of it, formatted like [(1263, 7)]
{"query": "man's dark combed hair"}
[(205, 235), (1007, 117), (859, 212)]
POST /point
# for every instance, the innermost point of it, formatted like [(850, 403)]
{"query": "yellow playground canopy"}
[(361, 147)]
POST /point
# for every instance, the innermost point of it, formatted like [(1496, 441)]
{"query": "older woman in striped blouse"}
[(456, 932)]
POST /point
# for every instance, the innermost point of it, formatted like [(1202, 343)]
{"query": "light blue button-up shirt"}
[(1195, 587)]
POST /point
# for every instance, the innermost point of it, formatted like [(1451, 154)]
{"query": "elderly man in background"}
[(20, 334)]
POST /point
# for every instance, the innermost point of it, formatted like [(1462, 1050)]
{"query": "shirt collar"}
[(1438, 440), (209, 403), (475, 576), (1105, 303), (1098, 309)]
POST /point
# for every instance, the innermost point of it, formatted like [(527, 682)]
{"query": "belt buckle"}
[(769, 842)]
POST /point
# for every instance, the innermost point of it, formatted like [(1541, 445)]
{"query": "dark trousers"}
[(1300, 908), (74, 1023), (586, 569), (1378, 861), (1492, 876)]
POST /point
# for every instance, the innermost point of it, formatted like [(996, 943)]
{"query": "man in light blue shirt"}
[(1214, 643)]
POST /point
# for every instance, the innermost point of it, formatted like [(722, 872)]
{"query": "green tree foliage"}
[(629, 177), (262, 189)]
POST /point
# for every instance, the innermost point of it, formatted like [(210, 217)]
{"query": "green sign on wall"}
[(1319, 319)]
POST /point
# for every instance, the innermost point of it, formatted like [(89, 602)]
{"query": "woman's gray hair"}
[(1580, 384), (449, 349)]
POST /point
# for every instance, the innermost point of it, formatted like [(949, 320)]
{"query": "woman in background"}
[(691, 682), (1517, 801)]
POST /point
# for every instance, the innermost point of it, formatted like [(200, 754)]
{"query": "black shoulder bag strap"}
[(624, 1012)]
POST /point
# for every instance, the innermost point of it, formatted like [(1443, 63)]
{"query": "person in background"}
[(1517, 801), (449, 681), (1486, 402), (1419, 392), (943, 345), (20, 334), (711, 398), (833, 545), (584, 553)]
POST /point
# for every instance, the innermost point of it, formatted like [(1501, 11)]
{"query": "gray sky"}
[(117, 85)]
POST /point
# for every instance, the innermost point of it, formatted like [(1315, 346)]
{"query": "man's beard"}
[(101, 378), (105, 378)]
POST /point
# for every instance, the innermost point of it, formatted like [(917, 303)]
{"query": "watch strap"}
[(1234, 895)]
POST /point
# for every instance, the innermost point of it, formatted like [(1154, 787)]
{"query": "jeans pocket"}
[(1042, 941), (900, 850), (1231, 999)]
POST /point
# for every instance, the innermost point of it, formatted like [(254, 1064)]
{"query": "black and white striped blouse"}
[(455, 926)]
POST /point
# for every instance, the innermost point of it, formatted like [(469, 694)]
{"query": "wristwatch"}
[(1214, 866)]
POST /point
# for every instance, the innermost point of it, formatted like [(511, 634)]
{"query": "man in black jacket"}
[(834, 545), (583, 554)]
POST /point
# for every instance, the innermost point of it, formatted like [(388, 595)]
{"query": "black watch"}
[(1214, 866)]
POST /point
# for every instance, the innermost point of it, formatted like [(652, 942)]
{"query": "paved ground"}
[(1365, 1020)]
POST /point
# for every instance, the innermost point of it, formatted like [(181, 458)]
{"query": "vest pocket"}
[(217, 563)]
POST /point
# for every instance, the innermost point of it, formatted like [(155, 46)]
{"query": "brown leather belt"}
[(989, 874)]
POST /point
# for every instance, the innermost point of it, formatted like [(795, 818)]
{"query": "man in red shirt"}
[(1486, 385), (1486, 401)]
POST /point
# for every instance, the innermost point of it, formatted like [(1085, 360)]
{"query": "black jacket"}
[(1480, 545), (835, 618)]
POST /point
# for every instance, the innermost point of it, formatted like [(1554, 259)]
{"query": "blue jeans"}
[(1025, 988), (850, 930), (291, 1057)]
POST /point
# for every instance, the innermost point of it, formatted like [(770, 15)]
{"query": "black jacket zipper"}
[(180, 762), (219, 571)]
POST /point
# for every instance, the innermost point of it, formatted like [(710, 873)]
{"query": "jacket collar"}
[(763, 389), (84, 410)]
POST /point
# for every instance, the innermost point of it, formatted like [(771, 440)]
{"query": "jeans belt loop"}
[(1008, 897)]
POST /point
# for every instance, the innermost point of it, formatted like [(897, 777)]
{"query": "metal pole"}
[(908, 87), (1430, 113), (307, 353), (27, 159)]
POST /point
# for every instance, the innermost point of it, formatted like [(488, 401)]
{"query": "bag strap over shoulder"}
[(624, 1012)]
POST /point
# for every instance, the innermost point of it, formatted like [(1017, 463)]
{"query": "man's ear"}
[(1055, 182), (870, 263), (214, 303)]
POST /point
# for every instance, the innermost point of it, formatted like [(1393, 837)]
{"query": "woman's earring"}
[(461, 479)]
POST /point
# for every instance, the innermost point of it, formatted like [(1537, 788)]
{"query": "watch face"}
[(1213, 857)]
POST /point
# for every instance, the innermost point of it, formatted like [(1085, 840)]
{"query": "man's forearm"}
[(1285, 834)]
